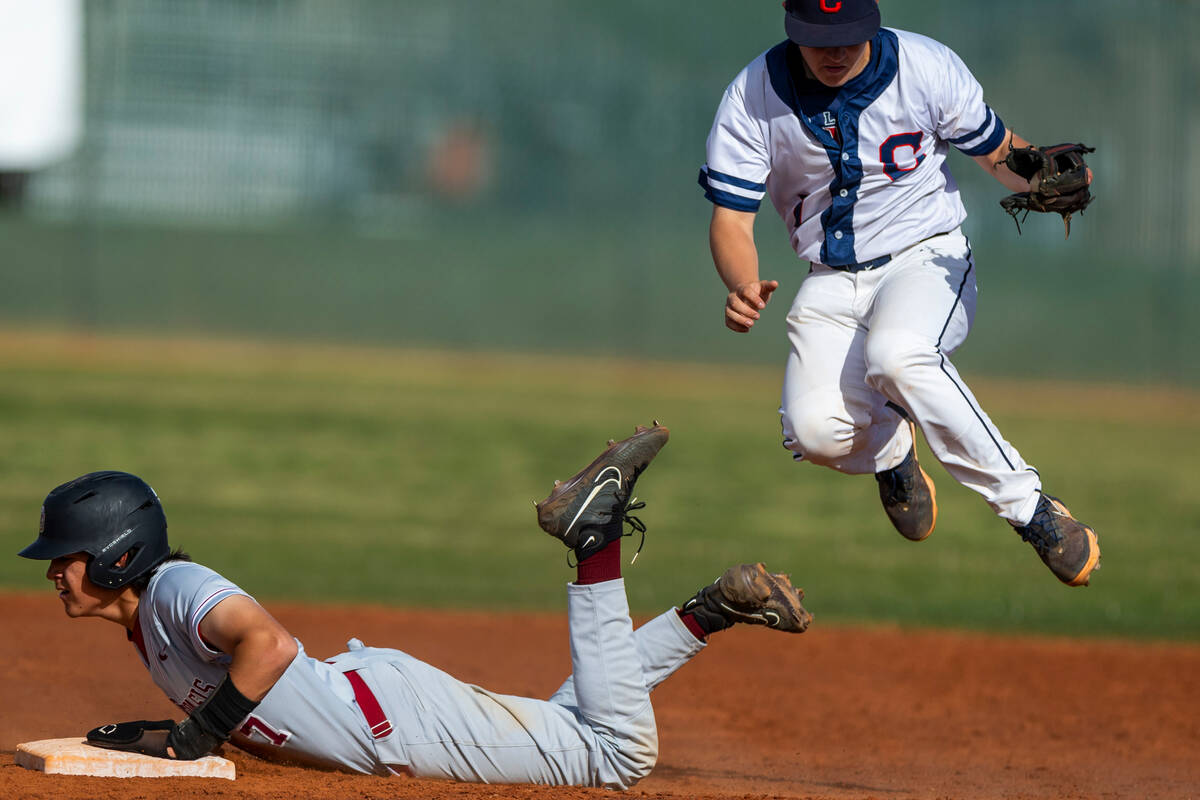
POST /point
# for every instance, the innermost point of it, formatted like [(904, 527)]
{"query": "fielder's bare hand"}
[(743, 304), (731, 238)]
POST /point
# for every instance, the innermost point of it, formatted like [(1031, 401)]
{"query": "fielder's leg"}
[(922, 308), (921, 311), (830, 415)]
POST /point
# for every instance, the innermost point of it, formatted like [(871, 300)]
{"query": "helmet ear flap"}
[(108, 574)]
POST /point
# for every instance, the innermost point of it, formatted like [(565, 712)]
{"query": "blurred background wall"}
[(521, 175)]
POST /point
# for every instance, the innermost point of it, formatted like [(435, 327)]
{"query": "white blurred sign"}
[(41, 81)]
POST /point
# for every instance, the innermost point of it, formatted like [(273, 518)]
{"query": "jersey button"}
[(845, 156), (843, 193), (837, 234)]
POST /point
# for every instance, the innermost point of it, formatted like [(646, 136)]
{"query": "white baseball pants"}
[(862, 340)]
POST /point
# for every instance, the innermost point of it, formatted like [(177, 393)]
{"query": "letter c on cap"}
[(831, 9)]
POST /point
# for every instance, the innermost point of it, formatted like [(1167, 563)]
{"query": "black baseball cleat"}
[(1068, 547), (749, 594), (589, 510), (909, 498)]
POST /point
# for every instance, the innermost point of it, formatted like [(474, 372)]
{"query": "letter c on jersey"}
[(831, 9), (887, 152)]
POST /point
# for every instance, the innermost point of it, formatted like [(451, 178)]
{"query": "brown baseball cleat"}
[(1068, 547), (749, 594), (909, 498), (589, 510)]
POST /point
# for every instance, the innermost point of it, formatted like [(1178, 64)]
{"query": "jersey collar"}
[(870, 83), (135, 635)]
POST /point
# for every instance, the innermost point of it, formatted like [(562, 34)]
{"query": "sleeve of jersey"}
[(737, 159), (194, 591), (966, 121)]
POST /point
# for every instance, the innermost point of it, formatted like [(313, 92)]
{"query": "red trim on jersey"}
[(380, 725), (135, 636), (197, 617)]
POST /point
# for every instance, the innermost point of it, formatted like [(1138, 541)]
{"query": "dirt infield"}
[(835, 713)]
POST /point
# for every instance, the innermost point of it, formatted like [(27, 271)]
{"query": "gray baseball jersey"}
[(381, 711)]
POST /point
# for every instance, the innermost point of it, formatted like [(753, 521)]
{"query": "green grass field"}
[(324, 474)]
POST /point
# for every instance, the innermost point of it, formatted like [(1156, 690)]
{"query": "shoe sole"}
[(932, 492), (1084, 576), (551, 510), (770, 594), (932, 502)]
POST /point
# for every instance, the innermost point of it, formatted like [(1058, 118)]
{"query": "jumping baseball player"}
[(846, 126), (237, 674)]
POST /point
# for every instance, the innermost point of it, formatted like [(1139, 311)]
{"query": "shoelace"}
[(1041, 532), (635, 524), (902, 485)]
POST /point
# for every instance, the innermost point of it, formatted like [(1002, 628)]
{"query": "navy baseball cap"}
[(831, 23)]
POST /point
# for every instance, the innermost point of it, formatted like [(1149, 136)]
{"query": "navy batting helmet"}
[(831, 23), (106, 515)]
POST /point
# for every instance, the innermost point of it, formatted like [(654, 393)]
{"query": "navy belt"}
[(875, 263), (862, 265)]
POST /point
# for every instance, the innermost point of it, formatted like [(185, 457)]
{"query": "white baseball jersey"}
[(858, 172), (382, 711)]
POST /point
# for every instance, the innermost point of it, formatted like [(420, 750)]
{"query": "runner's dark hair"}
[(140, 583)]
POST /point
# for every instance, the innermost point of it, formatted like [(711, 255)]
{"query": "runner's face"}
[(834, 66), (81, 597)]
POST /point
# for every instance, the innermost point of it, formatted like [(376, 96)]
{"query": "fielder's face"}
[(81, 597), (834, 66)]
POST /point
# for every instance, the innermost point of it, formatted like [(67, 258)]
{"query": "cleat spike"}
[(656, 423), (556, 484), (535, 503), (611, 442)]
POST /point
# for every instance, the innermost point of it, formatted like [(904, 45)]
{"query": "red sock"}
[(604, 565), (689, 621)]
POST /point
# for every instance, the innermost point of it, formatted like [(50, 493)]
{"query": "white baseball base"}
[(77, 757)]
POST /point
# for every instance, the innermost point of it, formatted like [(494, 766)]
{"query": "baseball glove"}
[(1058, 181)]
